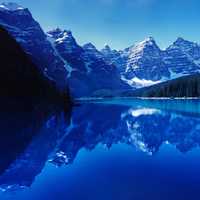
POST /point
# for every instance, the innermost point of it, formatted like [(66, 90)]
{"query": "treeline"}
[(186, 86)]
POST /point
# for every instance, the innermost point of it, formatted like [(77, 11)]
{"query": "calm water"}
[(116, 149)]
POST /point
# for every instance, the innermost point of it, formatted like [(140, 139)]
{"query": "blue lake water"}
[(121, 149)]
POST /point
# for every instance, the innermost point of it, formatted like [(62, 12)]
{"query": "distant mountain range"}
[(147, 63), (87, 70)]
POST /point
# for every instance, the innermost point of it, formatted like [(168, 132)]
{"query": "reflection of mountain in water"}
[(26, 140), (141, 127), (50, 138), (150, 129)]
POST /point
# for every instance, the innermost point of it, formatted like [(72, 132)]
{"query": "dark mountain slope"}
[(20, 23), (20, 78), (187, 86)]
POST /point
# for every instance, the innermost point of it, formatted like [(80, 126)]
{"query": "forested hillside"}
[(187, 86)]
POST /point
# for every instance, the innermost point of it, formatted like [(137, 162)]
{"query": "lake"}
[(121, 149)]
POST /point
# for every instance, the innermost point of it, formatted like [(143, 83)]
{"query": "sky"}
[(119, 23)]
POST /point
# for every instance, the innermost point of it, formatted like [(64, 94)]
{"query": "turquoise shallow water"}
[(120, 149)]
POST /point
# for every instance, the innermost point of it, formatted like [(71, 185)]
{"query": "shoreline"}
[(82, 99)]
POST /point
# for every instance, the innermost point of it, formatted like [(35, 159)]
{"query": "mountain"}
[(144, 61), (28, 100), (58, 55), (145, 64), (19, 22), (114, 57), (181, 58), (89, 71), (21, 79), (186, 86)]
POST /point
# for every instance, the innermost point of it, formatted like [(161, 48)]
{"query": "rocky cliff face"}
[(19, 76), (21, 25), (88, 71), (58, 55), (144, 64)]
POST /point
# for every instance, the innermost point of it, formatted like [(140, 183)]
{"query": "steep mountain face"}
[(20, 78), (115, 57), (89, 71), (58, 55), (190, 48), (20, 24), (144, 61), (146, 64), (141, 64), (182, 58)]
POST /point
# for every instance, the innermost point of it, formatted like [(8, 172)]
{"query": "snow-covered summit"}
[(147, 41), (64, 39), (11, 6), (58, 33), (147, 48)]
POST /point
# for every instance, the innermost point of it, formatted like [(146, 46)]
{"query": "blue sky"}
[(120, 23)]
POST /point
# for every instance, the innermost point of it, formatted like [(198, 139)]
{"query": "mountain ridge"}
[(88, 70)]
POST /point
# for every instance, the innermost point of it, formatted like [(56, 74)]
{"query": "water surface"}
[(121, 149)]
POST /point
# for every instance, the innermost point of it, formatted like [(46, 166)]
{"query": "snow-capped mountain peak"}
[(60, 35), (144, 62), (147, 46), (145, 43), (61, 58), (11, 6)]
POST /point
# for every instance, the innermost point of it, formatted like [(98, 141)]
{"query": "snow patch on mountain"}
[(67, 66), (11, 6), (66, 34), (139, 83)]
